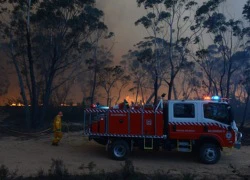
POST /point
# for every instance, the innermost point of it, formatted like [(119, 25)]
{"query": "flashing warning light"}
[(98, 106), (213, 98), (207, 98), (216, 98)]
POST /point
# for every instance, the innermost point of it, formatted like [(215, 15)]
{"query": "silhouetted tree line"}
[(192, 50)]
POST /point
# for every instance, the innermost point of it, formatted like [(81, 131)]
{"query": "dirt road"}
[(31, 155)]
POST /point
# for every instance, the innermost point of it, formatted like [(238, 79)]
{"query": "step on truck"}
[(202, 126)]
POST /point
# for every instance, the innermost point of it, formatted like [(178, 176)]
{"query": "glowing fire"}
[(17, 104)]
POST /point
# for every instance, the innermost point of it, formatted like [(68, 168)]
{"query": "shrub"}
[(6, 174), (91, 166), (188, 176), (57, 170)]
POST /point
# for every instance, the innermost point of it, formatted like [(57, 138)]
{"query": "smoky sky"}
[(120, 16)]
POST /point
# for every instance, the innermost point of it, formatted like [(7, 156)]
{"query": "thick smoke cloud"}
[(120, 16)]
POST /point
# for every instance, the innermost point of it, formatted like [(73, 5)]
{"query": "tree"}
[(170, 21), (107, 79), (4, 81), (246, 31), (98, 58), (123, 83), (189, 83), (60, 95), (47, 39), (246, 84), (208, 60), (246, 74), (143, 65), (97, 37), (141, 75), (246, 11), (227, 36)]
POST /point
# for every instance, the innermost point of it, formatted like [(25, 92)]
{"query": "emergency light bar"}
[(213, 98), (98, 106)]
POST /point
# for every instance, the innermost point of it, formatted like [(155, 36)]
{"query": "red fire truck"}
[(202, 126)]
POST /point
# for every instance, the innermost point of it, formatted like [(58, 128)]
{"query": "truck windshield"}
[(217, 111)]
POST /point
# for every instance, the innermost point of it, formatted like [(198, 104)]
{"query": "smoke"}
[(120, 16)]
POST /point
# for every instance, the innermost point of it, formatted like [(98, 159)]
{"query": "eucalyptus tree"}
[(141, 74), (246, 74), (4, 81), (61, 95), (209, 62), (108, 78), (4, 78), (169, 20), (246, 11), (190, 81), (97, 58), (246, 84), (226, 35), (123, 83), (246, 30), (47, 41), (95, 40)]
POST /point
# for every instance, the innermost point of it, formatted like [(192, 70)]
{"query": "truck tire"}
[(209, 153), (119, 150)]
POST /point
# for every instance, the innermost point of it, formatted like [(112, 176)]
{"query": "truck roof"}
[(199, 101), (196, 101)]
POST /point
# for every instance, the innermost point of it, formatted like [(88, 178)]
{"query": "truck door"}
[(183, 117), (217, 120)]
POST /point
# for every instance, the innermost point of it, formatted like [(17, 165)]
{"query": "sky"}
[(120, 16)]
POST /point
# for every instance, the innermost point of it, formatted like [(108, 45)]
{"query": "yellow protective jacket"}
[(57, 125)]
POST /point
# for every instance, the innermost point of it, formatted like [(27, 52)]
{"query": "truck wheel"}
[(209, 153), (119, 150)]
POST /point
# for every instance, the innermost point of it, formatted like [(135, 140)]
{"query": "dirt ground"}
[(29, 155)]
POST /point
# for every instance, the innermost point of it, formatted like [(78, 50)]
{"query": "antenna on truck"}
[(160, 102)]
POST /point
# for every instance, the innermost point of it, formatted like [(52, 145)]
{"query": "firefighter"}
[(57, 129), (126, 105)]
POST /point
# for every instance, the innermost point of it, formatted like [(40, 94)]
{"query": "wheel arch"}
[(113, 139), (100, 140), (209, 139)]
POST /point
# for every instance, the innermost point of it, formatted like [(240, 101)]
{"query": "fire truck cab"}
[(202, 126)]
